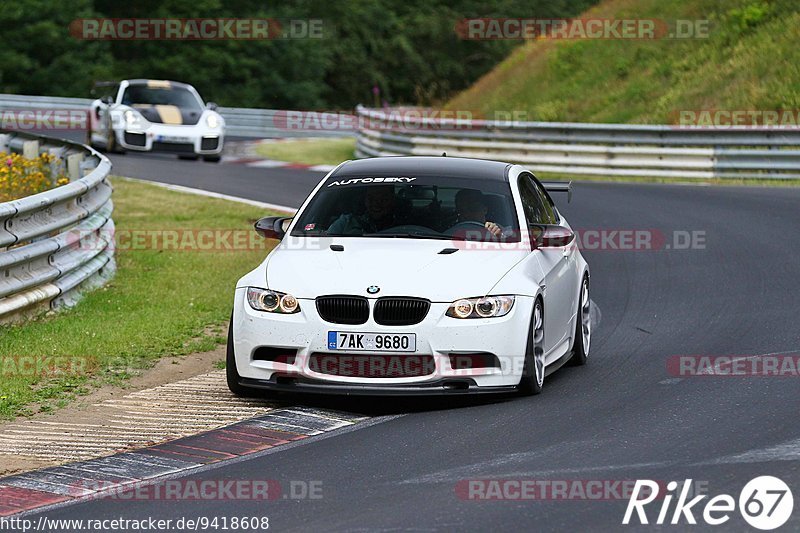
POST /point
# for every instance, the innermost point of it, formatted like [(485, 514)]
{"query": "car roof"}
[(425, 166), (142, 81)]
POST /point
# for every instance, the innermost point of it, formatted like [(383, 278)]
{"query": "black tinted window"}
[(549, 215), (531, 201), (422, 207)]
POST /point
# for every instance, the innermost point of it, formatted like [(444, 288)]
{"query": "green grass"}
[(161, 302), (750, 61), (310, 151)]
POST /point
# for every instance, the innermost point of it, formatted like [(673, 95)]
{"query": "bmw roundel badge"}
[(373, 289)]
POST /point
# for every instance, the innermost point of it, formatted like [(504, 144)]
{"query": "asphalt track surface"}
[(621, 417)]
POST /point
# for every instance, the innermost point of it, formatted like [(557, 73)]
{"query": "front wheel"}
[(532, 378), (583, 327), (211, 158)]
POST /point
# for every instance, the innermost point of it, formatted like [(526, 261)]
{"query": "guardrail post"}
[(30, 149), (74, 166)]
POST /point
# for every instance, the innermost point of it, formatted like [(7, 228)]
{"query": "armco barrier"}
[(57, 244), (239, 121), (588, 149)]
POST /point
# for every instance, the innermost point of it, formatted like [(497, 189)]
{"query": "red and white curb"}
[(94, 477), (245, 153), (271, 163)]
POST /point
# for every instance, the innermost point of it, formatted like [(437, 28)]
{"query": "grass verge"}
[(165, 300), (310, 151), (747, 60)]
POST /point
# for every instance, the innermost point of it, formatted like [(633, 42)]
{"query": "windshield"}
[(144, 95), (411, 207)]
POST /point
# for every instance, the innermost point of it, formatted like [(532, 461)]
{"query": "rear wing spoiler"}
[(102, 84), (559, 186)]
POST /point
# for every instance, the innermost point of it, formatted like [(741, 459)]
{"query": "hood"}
[(399, 267), (169, 114)]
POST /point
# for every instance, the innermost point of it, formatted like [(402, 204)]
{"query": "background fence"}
[(557, 147), (59, 243), (588, 149)]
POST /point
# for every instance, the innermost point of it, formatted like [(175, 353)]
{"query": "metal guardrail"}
[(588, 149), (57, 244), (239, 121)]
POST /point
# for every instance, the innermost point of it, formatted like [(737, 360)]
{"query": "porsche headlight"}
[(485, 307), (133, 119), (212, 121), (272, 301)]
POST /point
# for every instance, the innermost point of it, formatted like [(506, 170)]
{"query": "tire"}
[(532, 378), (583, 327), (231, 374), (212, 158), (111, 144)]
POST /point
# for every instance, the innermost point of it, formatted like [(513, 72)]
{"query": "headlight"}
[(485, 307), (133, 119), (272, 301), (212, 121)]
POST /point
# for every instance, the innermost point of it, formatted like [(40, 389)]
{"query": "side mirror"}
[(542, 236), (272, 227), (212, 106), (108, 100)]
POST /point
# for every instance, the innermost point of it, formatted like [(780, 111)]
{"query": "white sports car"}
[(156, 116), (414, 275)]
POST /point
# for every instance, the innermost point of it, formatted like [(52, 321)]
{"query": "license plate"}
[(372, 342), (172, 139)]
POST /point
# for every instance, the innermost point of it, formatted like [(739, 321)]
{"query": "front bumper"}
[(437, 336), (197, 139), (449, 387)]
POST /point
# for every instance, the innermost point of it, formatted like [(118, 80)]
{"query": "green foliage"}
[(409, 50), (750, 60)]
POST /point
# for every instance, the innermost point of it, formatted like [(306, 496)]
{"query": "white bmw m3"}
[(414, 275)]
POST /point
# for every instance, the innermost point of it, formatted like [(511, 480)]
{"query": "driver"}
[(471, 207), (379, 215)]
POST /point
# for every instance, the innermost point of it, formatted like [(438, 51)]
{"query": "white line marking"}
[(201, 192)]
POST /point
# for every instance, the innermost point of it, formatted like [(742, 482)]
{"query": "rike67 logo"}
[(765, 503)]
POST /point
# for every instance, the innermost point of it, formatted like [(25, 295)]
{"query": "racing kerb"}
[(57, 244), (588, 149)]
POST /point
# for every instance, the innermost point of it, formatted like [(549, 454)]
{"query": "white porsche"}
[(156, 116), (414, 275)]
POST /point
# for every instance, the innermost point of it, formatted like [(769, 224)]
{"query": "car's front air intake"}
[(400, 311), (343, 309)]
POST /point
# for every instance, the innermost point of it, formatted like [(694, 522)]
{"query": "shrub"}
[(21, 177)]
